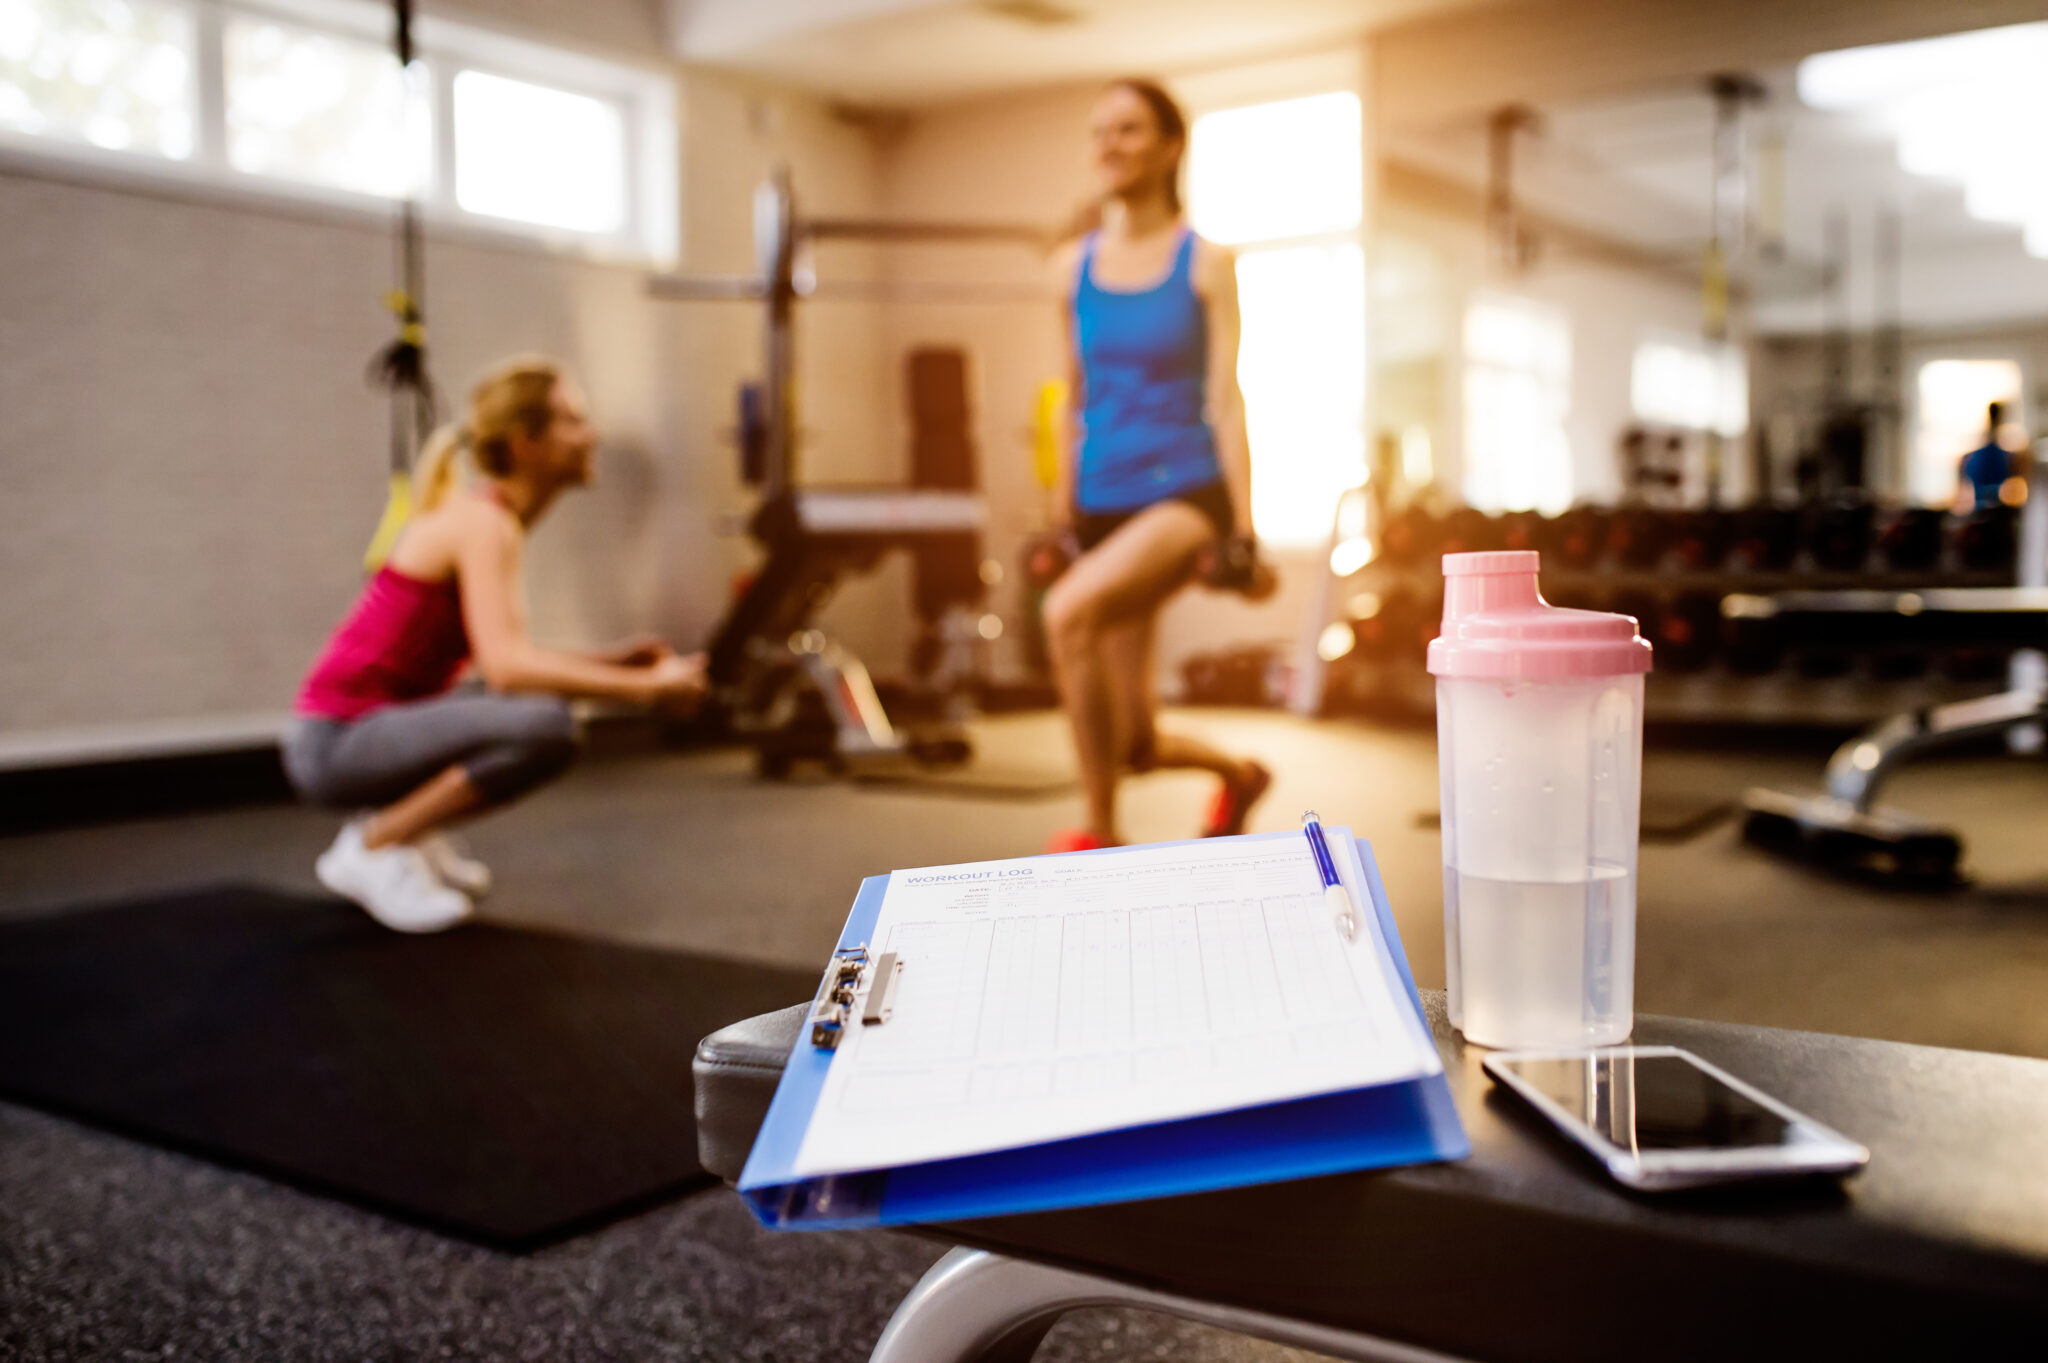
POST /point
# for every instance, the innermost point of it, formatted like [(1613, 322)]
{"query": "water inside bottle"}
[(1547, 963)]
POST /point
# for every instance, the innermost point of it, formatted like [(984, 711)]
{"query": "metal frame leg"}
[(1861, 764), (977, 1307), (860, 725)]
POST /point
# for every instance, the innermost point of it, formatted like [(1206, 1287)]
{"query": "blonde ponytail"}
[(434, 472), (515, 396)]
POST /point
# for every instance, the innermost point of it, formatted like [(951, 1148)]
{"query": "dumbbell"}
[(1910, 539), (1685, 630), (1227, 676), (1467, 530), (1234, 565), (1838, 533), (1408, 537), (1984, 540), (1229, 566), (1521, 530), (1700, 539), (1382, 625), (1575, 539), (1366, 614), (1047, 555), (1636, 538), (1766, 539)]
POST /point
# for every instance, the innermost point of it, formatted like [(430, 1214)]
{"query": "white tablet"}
[(1660, 1118)]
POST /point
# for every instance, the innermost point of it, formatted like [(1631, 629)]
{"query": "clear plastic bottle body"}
[(1541, 785)]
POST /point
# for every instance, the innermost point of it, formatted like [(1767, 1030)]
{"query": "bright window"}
[(319, 107), (1284, 182), (1954, 396), (305, 98), (537, 154), (1288, 169), (1965, 107), (1691, 384), (1302, 366), (1518, 371), (114, 73)]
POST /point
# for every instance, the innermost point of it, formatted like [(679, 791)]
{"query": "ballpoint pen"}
[(1335, 897)]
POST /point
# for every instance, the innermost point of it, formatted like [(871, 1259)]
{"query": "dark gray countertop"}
[(1527, 1251)]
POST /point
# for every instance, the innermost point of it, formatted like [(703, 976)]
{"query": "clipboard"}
[(1406, 1122)]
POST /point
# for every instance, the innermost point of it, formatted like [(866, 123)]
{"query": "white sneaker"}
[(393, 884), (451, 859)]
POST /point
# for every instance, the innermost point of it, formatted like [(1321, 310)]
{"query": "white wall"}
[(1612, 309), (193, 461)]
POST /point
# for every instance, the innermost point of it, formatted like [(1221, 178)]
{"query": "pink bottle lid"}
[(1496, 624)]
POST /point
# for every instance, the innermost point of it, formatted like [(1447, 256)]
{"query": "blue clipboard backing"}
[(1411, 1122)]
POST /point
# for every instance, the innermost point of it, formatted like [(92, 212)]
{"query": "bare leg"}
[(1127, 651), (443, 799), (1128, 575)]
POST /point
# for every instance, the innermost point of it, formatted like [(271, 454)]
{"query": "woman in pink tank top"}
[(379, 728)]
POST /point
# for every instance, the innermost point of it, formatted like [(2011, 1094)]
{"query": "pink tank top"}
[(404, 640)]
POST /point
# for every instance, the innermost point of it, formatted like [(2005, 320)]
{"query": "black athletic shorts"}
[(1211, 499)]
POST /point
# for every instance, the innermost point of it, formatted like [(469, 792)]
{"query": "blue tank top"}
[(1987, 467), (1144, 373)]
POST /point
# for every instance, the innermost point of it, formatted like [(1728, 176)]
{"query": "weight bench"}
[(1525, 1251), (783, 683), (1844, 827)]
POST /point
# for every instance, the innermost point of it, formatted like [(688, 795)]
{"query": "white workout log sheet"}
[(1048, 997)]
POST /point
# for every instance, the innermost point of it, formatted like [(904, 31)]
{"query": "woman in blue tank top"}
[(1156, 470)]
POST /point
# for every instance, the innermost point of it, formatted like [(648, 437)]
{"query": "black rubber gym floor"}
[(508, 1085), (112, 1248)]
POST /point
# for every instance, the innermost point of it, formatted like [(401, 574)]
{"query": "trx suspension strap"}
[(402, 365)]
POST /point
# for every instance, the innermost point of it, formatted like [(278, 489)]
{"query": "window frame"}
[(645, 93)]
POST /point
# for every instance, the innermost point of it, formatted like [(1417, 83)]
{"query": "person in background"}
[(378, 726), (1155, 469), (1985, 469)]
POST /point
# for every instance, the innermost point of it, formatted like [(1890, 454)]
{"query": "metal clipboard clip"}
[(856, 985)]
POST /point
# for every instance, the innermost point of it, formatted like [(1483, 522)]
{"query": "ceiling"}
[(1631, 168), (904, 53), (1637, 169)]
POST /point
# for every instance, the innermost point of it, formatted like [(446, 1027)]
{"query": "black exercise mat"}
[(507, 1086)]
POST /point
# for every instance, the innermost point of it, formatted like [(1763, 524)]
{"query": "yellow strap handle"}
[(397, 511), (1045, 453)]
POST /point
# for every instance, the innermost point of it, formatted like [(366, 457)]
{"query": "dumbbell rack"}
[(1708, 670)]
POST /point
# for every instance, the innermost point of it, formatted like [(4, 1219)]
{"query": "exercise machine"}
[(1844, 828), (776, 678), (781, 681)]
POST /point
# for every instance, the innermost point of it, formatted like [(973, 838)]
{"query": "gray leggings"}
[(507, 744)]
